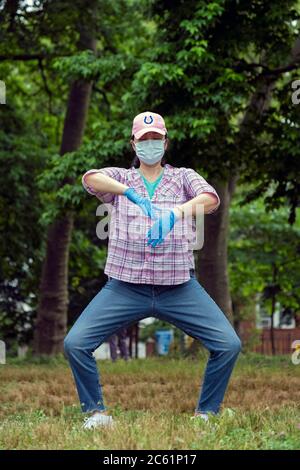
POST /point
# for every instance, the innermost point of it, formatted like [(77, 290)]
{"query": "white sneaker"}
[(98, 419)]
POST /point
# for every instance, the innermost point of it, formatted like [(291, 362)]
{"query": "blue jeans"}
[(187, 306)]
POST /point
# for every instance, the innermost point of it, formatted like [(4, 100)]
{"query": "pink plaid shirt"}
[(129, 258)]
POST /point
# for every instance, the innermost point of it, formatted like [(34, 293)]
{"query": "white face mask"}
[(150, 151)]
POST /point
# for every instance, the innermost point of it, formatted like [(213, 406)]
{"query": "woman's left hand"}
[(161, 227)]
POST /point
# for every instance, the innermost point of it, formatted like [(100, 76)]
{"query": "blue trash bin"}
[(163, 340)]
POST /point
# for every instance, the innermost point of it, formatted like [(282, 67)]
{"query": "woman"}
[(150, 268)]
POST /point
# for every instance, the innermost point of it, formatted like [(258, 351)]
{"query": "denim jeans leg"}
[(117, 305), (189, 307)]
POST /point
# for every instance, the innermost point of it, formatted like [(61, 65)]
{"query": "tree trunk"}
[(51, 322), (212, 258), (53, 302)]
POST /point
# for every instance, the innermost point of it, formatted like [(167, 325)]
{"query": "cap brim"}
[(149, 129)]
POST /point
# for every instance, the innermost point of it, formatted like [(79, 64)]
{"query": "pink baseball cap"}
[(148, 122)]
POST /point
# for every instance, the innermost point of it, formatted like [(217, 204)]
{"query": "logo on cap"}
[(145, 119)]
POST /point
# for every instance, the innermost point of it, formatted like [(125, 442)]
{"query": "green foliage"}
[(108, 68), (265, 242)]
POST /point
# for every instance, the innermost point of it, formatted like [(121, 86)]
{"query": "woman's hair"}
[(136, 161)]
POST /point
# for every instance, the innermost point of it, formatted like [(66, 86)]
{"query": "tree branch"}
[(244, 66)]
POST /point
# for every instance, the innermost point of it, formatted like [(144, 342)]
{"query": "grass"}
[(152, 401)]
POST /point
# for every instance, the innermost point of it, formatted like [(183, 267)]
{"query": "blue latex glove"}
[(161, 227), (149, 209)]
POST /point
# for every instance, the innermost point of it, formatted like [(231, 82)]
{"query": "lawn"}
[(151, 401)]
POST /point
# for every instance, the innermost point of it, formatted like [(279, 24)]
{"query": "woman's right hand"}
[(149, 209)]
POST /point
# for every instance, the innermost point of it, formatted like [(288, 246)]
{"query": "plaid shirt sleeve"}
[(195, 184), (112, 171)]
